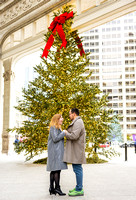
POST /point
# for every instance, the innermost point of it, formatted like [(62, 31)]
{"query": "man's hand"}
[(65, 131)]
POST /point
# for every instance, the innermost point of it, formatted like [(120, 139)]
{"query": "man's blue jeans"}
[(77, 168)]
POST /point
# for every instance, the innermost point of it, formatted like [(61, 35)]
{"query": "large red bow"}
[(56, 25)]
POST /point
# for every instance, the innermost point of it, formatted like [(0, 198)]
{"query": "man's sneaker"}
[(76, 193), (72, 190)]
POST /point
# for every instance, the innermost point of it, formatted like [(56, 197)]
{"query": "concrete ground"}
[(115, 180)]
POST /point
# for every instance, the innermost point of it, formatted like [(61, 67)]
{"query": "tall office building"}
[(113, 61)]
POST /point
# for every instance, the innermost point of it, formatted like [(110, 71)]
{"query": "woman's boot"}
[(58, 191), (52, 190)]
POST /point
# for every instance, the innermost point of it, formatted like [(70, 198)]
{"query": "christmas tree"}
[(61, 85)]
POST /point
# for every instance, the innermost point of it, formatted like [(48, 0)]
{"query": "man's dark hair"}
[(75, 110)]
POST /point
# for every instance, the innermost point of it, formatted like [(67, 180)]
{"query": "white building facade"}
[(113, 62)]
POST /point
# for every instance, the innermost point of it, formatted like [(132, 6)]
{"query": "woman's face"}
[(61, 120)]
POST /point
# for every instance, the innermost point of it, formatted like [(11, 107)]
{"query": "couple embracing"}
[(74, 152)]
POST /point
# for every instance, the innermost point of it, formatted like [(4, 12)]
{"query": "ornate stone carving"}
[(19, 9), (3, 1), (8, 74)]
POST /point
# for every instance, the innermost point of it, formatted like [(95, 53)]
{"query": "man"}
[(75, 150)]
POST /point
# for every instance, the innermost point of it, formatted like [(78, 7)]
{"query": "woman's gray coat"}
[(55, 150)]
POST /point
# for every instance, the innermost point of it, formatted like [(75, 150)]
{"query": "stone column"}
[(78, 7), (6, 105), (1, 102)]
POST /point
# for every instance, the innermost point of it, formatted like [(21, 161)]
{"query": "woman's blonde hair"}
[(55, 121)]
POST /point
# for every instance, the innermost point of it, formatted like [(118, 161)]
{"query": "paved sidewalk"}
[(115, 180)]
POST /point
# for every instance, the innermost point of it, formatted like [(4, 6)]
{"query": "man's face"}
[(71, 115)]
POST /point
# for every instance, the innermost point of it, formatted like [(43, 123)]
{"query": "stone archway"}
[(10, 93), (23, 24)]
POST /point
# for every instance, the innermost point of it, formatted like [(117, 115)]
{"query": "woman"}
[(55, 153)]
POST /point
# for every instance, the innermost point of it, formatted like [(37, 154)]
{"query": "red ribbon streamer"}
[(80, 46), (56, 25)]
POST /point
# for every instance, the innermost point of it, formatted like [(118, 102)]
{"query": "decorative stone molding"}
[(20, 13), (18, 10), (3, 1), (5, 136), (8, 74)]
